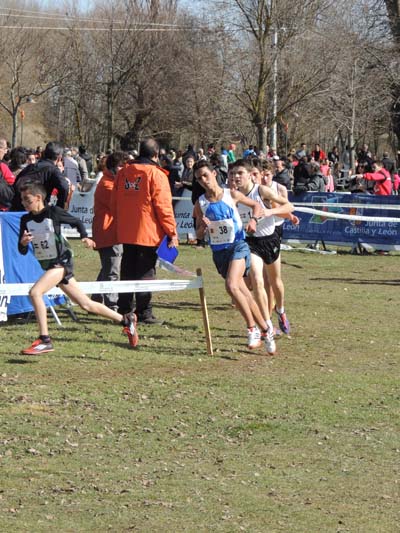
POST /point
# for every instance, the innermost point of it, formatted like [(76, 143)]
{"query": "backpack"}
[(30, 173)]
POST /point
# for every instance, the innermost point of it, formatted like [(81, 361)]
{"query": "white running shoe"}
[(253, 338), (269, 340)]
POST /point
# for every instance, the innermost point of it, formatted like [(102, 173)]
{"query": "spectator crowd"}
[(300, 170), (133, 211)]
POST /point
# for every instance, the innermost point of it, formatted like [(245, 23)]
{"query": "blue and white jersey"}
[(225, 224)]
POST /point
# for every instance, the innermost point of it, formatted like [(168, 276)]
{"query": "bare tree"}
[(393, 12), (138, 67), (28, 70), (264, 29)]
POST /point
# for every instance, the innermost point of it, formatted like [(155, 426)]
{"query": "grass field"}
[(100, 437)]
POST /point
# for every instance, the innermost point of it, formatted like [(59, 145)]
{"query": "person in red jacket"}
[(7, 179), (318, 154), (381, 178), (142, 207)]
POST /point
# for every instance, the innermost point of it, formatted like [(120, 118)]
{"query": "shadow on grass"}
[(227, 357), (188, 352), (226, 307), (85, 357), (93, 320), (22, 361), (291, 265), (197, 307), (361, 281), (181, 305)]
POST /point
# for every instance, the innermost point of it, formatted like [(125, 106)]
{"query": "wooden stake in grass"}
[(205, 316)]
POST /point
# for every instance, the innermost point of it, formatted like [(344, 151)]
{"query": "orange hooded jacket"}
[(142, 204), (103, 226)]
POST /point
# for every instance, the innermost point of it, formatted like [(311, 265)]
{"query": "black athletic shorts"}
[(68, 271), (67, 264), (279, 231), (268, 248)]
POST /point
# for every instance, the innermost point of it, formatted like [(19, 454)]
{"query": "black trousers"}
[(138, 262)]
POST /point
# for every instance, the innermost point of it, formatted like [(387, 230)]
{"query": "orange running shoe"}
[(37, 347), (131, 329)]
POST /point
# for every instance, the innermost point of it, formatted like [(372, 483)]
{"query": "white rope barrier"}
[(327, 214), (388, 207), (104, 287)]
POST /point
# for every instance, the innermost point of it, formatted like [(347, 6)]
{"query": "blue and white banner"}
[(346, 219), (4, 299), (81, 206), (183, 210)]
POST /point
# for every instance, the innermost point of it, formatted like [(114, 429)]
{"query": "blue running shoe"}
[(283, 322)]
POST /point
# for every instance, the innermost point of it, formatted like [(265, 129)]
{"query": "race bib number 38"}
[(221, 231)]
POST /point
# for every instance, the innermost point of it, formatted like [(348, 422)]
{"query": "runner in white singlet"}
[(272, 274), (264, 243)]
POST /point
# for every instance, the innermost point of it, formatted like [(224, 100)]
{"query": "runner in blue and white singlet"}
[(216, 214), (225, 226)]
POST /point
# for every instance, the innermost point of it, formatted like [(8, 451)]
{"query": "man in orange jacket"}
[(143, 215)]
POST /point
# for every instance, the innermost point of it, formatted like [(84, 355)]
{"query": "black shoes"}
[(150, 320)]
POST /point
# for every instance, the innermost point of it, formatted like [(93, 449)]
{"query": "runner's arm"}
[(282, 191), (280, 204), (24, 237), (257, 210), (201, 221)]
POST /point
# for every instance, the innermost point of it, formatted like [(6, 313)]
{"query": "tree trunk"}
[(261, 135), (14, 128), (78, 122), (393, 11), (110, 117), (395, 112)]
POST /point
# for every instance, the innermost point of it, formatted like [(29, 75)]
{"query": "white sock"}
[(280, 310)]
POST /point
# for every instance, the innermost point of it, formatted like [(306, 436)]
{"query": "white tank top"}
[(266, 226)]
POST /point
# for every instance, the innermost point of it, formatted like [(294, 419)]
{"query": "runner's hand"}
[(173, 242), (26, 238), (89, 243)]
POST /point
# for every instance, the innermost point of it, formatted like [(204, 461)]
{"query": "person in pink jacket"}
[(326, 170)]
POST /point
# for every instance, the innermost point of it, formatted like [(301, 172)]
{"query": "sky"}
[(82, 4), (86, 4)]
